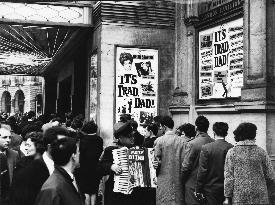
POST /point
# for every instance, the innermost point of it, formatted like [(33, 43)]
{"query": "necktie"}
[(4, 176)]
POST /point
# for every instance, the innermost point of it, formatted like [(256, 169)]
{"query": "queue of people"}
[(55, 163)]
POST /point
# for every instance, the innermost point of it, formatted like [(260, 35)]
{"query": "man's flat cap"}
[(122, 129)]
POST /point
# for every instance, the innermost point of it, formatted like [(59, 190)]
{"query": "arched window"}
[(19, 101), (6, 102)]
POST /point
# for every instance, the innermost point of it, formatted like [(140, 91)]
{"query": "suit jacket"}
[(28, 181), (210, 176), (191, 160), (59, 190), (12, 158)]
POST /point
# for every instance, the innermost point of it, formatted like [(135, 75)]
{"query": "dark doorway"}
[(64, 98), (39, 104)]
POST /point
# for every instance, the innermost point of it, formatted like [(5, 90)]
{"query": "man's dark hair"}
[(76, 124), (188, 129), (245, 131), (157, 120), (138, 138), (124, 57), (89, 127), (134, 124), (51, 134), (31, 114), (167, 121), (62, 150), (202, 123), (153, 128), (220, 128)]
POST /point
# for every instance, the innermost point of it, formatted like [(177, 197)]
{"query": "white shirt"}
[(49, 162), (72, 176)]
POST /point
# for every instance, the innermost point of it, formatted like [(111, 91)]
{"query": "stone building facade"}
[(254, 101), (20, 94)]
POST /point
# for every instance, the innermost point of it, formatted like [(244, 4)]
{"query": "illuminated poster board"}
[(221, 61), (93, 87), (137, 83)]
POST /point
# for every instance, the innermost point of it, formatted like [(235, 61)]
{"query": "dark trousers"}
[(144, 196)]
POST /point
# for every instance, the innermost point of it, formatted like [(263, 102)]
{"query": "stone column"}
[(255, 47), (185, 63), (259, 76)]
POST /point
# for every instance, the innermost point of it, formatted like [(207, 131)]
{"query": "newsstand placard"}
[(137, 83), (221, 61)]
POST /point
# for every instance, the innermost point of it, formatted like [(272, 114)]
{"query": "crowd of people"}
[(47, 160)]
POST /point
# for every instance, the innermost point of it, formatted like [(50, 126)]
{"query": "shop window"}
[(221, 61)]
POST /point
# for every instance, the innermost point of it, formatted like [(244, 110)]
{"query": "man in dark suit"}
[(8, 160), (60, 188), (191, 160), (210, 176), (30, 180)]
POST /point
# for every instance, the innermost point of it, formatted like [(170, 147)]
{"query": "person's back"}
[(169, 152), (58, 189), (91, 147), (210, 177), (216, 153), (249, 177), (61, 188), (190, 163), (250, 174)]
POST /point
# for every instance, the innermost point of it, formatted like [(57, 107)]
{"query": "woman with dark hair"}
[(91, 147), (126, 59), (248, 172), (33, 149)]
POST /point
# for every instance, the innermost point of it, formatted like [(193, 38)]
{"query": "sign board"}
[(136, 155), (221, 61), (93, 87), (137, 83)]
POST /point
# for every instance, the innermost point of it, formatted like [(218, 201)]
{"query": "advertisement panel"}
[(221, 61), (93, 87), (136, 83)]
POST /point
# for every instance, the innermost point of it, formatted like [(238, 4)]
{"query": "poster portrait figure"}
[(126, 60), (143, 68)]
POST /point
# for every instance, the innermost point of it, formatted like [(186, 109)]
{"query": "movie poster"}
[(221, 61), (93, 87), (137, 83)]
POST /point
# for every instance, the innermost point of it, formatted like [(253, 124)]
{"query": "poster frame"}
[(115, 73), (93, 52), (198, 29)]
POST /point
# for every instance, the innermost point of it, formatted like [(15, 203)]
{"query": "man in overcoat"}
[(190, 164), (210, 178)]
